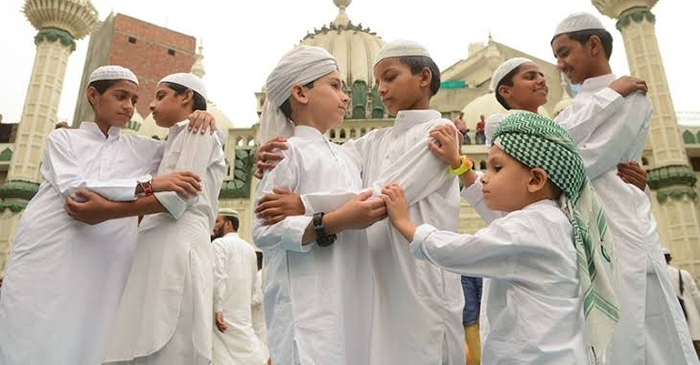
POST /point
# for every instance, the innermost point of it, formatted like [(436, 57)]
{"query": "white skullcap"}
[(665, 251), (187, 80), (228, 212), (401, 48), (504, 69), (300, 66), (112, 72), (578, 22)]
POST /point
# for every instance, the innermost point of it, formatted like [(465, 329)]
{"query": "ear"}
[(92, 96), (504, 90), (538, 180), (595, 45), (425, 77), (300, 95), (187, 96)]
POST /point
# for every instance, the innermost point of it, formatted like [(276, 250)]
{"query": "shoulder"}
[(536, 221), (64, 134)]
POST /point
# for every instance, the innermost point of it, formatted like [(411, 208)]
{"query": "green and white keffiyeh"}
[(537, 141)]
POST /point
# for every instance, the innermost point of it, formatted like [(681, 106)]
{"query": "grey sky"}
[(243, 40)]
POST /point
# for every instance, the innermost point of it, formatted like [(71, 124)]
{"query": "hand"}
[(201, 120), (282, 203), (94, 210), (397, 207), (362, 211), (632, 173), (220, 323), (446, 148), (626, 85), (183, 183), (266, 157)]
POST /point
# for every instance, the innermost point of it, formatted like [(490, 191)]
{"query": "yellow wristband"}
[(464, 167)]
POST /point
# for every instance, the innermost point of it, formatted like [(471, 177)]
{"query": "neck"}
[(601, 69), (422, 103), (178, 118), (307, 120)]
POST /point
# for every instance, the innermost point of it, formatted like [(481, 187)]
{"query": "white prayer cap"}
[(300, 66), (401, 48), (505, 68), (578, 22), (665, 251), (187, 80), (112, 72), (228, 212)]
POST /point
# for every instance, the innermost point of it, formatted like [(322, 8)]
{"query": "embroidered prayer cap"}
[(300, 66), (578, 22), (537, 141), (228, 212), (112, 72), (504, 69), (187, 80), (401, 48)]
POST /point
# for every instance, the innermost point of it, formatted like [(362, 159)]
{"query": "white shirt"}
[(609, 130), (173, 245), (64, 278), (528, 257), (417, 306), (691, 299), (235, 271), (316, 298)]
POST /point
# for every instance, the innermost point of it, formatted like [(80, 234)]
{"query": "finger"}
[(271, 212), (86, 194), (270, 156), (380, 212), (258, 173), (283, 191), (432, 146), (364, 195), (268, 198), (189, 174), (188, 188), (266, 166), (273, 220), (377, 203)]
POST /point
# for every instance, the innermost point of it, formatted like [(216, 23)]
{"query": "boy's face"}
[(167, 107), (327, 102), (529, 90), (398, 87), (505, 183), (573, 58), (116, 105)]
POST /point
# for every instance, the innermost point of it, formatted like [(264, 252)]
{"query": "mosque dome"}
[(487, 105), (355, 47)]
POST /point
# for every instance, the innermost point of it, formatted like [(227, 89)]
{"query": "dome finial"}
[(342, 18)]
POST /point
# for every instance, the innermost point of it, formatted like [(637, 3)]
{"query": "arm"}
[(96, 209)]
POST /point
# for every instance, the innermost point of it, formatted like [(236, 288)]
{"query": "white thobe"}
[(64, 277), (609, 130), (317, 299), (165, 314), (529, 259), (235, 271), (258, 316), (417, 306), (691, 299)]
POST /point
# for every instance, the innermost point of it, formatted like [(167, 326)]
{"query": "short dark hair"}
[(507, 80), (582, 36), (233, 220), (198, 101), (418, 63), (286, 107)]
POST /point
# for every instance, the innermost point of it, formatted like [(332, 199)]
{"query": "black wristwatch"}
[(321, 238)]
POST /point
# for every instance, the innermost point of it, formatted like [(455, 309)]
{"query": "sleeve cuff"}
[(218, 307), (417, 246), (293, 231), (473, 194), (120, 191), (172, 202), (609, 94)]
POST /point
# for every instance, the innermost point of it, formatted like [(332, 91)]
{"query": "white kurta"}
[(317, 299), (235, 271), (691, 299), (64, 278), (609, 130), (165, 314), (417, 306), (258, 316), (534, 306)]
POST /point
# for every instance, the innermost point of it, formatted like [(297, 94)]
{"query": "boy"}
[(610, 128), (65, 278), (531, 255), (417, 307), (316, 295), (164, 316)]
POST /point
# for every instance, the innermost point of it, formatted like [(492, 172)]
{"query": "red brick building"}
[(152, 52)]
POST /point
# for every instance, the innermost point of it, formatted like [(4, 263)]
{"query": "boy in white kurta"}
[(64, 278), (164, 316), (610, 129), (540, 257)]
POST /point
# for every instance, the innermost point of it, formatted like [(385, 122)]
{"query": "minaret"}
[(670, 177), (60, 23), (198, 67)]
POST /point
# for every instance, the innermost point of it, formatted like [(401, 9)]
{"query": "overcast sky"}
[(243, 40)]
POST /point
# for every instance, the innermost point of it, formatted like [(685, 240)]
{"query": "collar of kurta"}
[(405, 119), (113, 132), (176, 128), (596, 83), (231, 235), (542, 203), (308, 133)]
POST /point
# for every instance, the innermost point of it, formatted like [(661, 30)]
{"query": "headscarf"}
[(537, 141)]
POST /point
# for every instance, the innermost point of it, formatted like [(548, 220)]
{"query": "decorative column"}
[(60, 23), (671, 178)]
